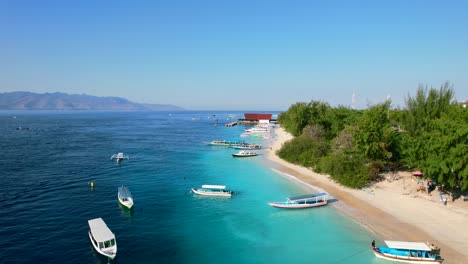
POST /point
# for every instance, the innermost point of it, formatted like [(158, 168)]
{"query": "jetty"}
[(231, 124)]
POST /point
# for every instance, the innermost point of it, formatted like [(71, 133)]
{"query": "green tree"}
[(295, 119), (374, 135), (427, 105), (446, 150)]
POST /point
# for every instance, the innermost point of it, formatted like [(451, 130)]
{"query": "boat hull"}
[(221, 194), (104, 253), (244, 156), (296, 206), (404, 259), (128, 203)]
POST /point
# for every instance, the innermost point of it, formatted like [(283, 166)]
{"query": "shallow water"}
[(47, 165)]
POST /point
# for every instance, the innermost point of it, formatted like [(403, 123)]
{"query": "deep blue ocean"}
[(48, 159)]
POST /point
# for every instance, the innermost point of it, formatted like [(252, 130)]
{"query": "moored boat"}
[(258, 130), (408, 252), (125, 197), (243, 154), (102, 238), (225, 142), (213, 190), (303, 201), (246, 146)]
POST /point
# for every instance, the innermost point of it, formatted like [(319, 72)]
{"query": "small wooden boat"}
[(243, 154), (119, 156), (213, 190), (125, 197), (303, 201), (102, 238), (408, 252)]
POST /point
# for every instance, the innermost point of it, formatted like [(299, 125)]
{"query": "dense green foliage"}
[(430, 134), (304, 150), (349, 170)]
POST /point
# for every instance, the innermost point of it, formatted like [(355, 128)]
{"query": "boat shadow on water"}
[(297, 212), (98, 258), (124, 211)]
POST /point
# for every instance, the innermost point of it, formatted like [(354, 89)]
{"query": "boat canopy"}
[(99, 230), (124, 192), (408, 245), (307, 196), (207, 186)]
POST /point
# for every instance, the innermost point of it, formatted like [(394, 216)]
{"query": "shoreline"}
[(391, 210)]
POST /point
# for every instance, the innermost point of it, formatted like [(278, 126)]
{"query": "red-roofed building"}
[(257, 117), (254, 118)]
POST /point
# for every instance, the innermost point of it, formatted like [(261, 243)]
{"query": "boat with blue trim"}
[(408, 252), (303, 201)]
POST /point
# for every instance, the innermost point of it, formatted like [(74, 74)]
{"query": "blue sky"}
[(235, 55)]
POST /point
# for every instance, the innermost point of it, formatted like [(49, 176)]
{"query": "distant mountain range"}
[(63, 101)]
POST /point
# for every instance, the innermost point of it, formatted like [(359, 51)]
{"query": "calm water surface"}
[(46, 200)]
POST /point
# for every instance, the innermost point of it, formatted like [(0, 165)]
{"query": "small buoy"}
[(92, 185)]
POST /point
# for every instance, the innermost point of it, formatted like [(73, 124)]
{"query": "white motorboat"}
[(125, 197), (213, 190), (102, 238), (243, 154)]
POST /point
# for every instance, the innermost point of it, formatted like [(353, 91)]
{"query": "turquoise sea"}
[(48, 160)]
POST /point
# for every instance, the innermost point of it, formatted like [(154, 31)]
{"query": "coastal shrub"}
[(304, 151), (347, 169)]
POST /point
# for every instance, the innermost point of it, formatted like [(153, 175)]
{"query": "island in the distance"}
[(64, 101)]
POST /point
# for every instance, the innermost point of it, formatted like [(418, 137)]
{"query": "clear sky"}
[(235, 55)]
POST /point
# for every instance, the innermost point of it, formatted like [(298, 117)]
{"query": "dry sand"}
[(393, 209)]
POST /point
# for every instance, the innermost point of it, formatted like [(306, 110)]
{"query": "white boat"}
[(408, 252), (303, 201), (119, 156), (258, 130), (102, 238), (248, 146), (125, 197), (226, 142), (243, 154), (213, 190)]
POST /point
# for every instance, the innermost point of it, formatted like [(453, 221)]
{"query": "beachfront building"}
[(255, 118)]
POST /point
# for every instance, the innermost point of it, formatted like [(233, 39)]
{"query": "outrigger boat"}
[(225, 142), (246, 146), (102, 238), (408, 252), (125, 197), (243, 154), (119, 156), (303, 201), (213, 190)]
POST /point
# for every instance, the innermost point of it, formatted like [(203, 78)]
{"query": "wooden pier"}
[(231, 124)]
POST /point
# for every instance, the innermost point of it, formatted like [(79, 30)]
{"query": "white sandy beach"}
[(394, 210)]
